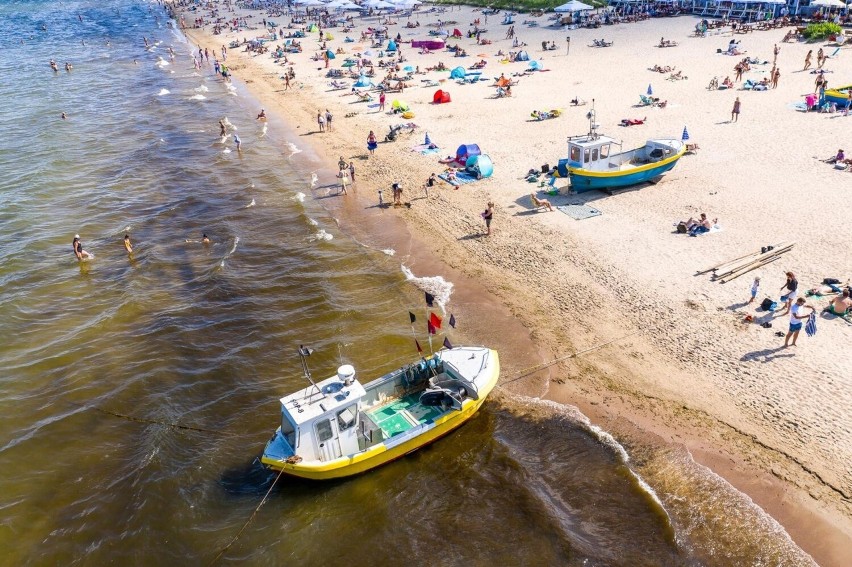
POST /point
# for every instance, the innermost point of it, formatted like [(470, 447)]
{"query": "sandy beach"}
[(664, 352)]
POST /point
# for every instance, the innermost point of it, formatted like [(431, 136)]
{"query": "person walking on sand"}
[(796, 316), (320, 121), (382, 102), (808, 60), (328, 117), (792, 287), (735, 112), (372, 144), (754, 287), (487, 215), (127, 244), (352, 171)]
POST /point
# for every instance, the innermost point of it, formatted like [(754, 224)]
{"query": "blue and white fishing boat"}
[(594, 163)]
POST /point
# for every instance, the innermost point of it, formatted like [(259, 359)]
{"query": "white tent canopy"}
[(573, 6), (828, 4)]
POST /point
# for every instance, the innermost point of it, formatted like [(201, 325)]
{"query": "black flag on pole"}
[(430, 299), (447, 344), (452, 321), (419, 349), (412, 317)]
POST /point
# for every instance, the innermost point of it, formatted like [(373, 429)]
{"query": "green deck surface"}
[(397, 416)]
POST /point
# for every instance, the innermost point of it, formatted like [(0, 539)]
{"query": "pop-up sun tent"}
[(363, 81), (440, 97), (458, 73), (522, 56), (329, 53), (313, 28), (535, 65), (479, 166), (466, 151), (400, 106), (391, 46)]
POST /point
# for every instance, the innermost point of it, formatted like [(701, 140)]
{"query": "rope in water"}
[(154, 422), (253, 514)]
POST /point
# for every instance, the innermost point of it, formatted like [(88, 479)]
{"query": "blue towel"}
[(810, 327)]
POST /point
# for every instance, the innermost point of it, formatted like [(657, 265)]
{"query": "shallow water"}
[(205, 335)]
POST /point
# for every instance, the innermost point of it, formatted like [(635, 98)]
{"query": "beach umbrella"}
[(685, 136), (650, 90)]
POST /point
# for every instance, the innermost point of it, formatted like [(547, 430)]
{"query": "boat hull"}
[(587, 180), (393, 448), (839, 96)]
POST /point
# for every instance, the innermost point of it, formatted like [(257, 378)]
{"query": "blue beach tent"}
[(391, 46), (465, 151), (458, 73), (479, 166)]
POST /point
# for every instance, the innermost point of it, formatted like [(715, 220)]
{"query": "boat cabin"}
[(320, 421), (590, 150)]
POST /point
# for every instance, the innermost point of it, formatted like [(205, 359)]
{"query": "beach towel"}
[(462, 178), (810, 326)]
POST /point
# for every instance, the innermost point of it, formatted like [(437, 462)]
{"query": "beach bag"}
[(831, 281), (767, 304), (681, 227)]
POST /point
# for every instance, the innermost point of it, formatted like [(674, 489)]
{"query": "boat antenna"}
[(592, 126), (304, 353)]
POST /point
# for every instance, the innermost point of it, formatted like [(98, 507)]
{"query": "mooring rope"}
[(533, 369), (153, 421), (253, 514)]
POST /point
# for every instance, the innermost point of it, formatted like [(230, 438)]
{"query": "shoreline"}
[(518, 270)]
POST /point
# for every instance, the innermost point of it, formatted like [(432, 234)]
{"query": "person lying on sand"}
[(839, 157), (633, 121)]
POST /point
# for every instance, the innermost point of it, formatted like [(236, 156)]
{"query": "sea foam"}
[(434, 285)]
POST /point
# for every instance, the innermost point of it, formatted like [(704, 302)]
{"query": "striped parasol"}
[(685, 136), (650, 90)]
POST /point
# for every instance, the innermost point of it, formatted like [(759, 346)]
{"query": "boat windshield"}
[(288, 431), (604, 151)]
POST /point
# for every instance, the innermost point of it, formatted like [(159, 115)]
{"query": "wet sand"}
[(677, 363)]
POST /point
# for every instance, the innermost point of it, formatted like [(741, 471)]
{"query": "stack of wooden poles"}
[(732, 269)]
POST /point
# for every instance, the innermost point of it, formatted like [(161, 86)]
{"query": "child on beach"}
[(754, 287)]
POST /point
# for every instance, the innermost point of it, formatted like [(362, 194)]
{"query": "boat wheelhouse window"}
[(575, 153), (288, 430), (586, 155), (346, 418), (595, 154), (324, 432), (605, 151)]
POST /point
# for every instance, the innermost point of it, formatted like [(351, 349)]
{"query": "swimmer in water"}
[(262, 115), (238, 142), (127, 244), (77, 245), (64, 116), (205, 239), (222, 131), (68, 66), (53, 65)]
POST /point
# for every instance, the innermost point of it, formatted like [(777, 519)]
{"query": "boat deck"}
[(402, 414)]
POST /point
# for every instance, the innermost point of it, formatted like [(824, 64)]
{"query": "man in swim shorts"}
[(841, 304), (796, 317), (127, 245)]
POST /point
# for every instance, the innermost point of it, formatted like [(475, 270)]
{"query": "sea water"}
[(99, 356)]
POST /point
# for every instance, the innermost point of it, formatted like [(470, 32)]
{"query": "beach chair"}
[(645, 101)]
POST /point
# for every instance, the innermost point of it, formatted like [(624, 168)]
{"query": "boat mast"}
[(592, 126), (304, 353)]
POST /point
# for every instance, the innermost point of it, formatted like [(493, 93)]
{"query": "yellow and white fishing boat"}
[(339, 427)]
